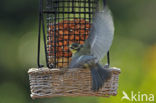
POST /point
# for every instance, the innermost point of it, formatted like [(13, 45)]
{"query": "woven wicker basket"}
[(46, 82)]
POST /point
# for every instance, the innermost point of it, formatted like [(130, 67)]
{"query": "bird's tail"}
[(99, 76)]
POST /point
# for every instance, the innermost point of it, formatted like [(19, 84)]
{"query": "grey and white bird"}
[(95, 47)]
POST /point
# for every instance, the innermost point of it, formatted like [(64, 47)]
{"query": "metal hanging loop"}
[(41, 24)]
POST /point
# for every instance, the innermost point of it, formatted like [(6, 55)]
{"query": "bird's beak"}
[(69, 46)]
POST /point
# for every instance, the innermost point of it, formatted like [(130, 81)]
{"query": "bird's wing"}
[(101, 34), (79, 61)]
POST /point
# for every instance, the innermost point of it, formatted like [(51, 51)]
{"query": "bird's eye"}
[(71, 48)]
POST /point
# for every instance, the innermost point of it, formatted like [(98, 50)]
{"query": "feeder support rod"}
[(41, 22)]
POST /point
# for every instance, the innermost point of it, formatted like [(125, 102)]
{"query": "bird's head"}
[(74, 47)]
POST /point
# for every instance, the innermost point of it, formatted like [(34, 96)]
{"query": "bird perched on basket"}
[(95, 47)]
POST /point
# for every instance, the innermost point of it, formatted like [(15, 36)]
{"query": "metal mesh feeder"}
[(67, 21)]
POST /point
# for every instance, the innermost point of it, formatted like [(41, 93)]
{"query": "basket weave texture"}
[(46, 82)]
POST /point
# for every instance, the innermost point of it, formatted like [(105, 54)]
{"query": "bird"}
[(95, 47)]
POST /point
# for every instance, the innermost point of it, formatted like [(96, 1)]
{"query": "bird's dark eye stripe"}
[(71, 47), (74, 48)]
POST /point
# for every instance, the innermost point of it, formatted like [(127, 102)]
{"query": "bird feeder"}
[(67, 21)]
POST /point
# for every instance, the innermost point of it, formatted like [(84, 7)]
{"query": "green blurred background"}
[(133, 50)]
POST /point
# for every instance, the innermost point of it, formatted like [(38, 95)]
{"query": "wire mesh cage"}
[(67, 22)]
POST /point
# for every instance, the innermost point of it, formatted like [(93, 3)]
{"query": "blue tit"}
[(95, 47)]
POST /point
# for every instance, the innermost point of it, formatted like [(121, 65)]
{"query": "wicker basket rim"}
[(59, 70)]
